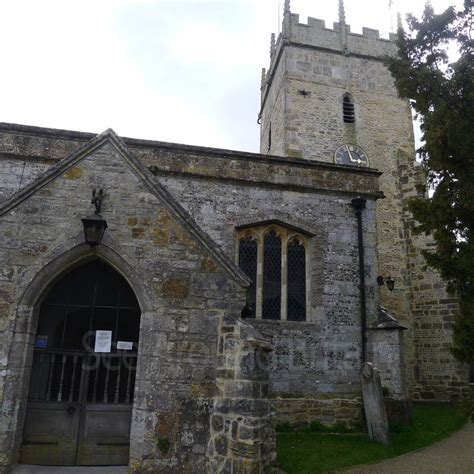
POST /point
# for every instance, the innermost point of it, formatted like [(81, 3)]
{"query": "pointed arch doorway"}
[(83, 373)]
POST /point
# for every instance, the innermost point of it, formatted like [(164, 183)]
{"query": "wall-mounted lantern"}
[(95, 224), (389, 281)]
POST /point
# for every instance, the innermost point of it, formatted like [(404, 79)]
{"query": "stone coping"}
[(72, 135), (47, 144)]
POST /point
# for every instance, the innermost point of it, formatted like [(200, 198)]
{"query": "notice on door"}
[(103, 341), (125, 345)]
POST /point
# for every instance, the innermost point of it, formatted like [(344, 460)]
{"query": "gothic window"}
[(276, 261), (296, 280), (271, 304), (248, 263), (348, 113)]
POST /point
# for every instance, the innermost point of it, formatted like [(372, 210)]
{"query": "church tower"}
[(328, 96)]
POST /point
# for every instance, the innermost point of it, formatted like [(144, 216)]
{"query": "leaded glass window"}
[(271, 276), (248, 249), (296, 263), (275, 259)]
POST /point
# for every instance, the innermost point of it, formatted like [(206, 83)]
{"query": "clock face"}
[(351, 155)]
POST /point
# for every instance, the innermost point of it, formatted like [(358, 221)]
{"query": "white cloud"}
[(186, 71)]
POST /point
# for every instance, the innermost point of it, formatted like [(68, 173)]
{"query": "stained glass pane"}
[(271, 276), (296, 281), (248, 264)]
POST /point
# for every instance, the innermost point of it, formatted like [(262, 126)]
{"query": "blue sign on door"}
[(41, 342)]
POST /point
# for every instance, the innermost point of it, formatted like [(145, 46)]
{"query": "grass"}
[(315, 452)]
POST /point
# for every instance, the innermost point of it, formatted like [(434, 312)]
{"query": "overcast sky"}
[(185, 71)]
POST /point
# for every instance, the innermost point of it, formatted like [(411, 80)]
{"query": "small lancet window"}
[(348, 113), (269, 137), (296, 281), (271, 307), (248, 249)]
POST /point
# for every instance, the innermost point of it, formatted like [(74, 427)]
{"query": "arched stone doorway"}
[(83, 375)]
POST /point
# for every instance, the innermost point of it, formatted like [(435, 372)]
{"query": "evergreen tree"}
[(442, 95)]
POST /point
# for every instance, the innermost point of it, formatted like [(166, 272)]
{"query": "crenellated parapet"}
[(339, 40), (315, 33)]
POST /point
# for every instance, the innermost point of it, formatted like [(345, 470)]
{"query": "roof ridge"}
[(150, 181)]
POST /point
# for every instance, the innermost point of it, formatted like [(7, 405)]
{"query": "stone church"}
[(163, 306)]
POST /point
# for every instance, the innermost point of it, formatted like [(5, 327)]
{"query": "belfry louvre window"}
[(348, 113), (276, 259), (269, 137)]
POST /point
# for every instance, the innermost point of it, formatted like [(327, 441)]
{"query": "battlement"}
[(339, 39), (317, 25), (315, 33)]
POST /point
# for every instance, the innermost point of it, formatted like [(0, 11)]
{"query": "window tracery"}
[(276, 259)]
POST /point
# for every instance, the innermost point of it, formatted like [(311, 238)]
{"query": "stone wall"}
[(313, 67), (243, 423), (327, 408), (25, 153), (315, 364), (19, 149), (315, 33), (275, 117), (435, 374), (386, 353), (185, 288), (320, 359)]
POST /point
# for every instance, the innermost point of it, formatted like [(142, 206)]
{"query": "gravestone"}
[(374, 405)]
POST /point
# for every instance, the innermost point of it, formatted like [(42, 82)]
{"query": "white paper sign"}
[(103, 341), (125, 345)]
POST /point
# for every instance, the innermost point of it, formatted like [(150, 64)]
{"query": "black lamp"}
[(389, 281), (95, 224)]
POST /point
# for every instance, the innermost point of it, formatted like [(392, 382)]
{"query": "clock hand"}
[(350, 156)]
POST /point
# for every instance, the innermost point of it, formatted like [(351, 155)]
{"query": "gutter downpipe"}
[(359, 205)]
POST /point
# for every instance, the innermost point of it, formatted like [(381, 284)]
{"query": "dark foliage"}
[(442, 95)]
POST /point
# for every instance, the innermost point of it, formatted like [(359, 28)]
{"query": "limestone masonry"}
[(311, 69), (255, 275)]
